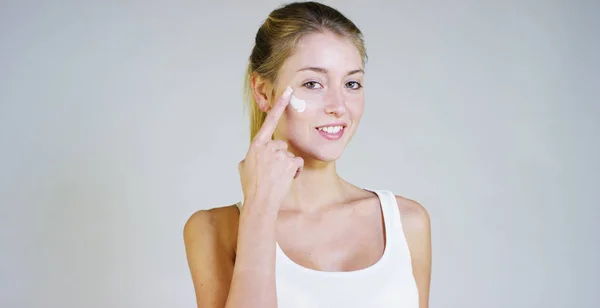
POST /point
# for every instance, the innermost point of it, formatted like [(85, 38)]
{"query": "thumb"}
[(299, 164)]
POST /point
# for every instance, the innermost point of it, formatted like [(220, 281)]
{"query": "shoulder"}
[(210, 237), (217, 226), (414, 216), (416, 227), (417, 231)]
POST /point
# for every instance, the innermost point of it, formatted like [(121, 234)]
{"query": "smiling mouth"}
[(333, 132), (331, 129)]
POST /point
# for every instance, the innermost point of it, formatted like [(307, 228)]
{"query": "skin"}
[(321, 212)]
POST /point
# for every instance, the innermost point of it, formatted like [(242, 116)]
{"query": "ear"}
[(261, 89)]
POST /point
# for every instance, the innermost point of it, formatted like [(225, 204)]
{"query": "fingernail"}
[(288, 91)]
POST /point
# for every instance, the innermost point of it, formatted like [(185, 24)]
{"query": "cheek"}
[(299, 125), (355, 106), (313, 100), (302, 105), (295, 118)]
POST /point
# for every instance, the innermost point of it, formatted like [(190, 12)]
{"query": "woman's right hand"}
[(268, 169)]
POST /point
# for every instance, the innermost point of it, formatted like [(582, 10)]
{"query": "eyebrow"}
[(324, 70)]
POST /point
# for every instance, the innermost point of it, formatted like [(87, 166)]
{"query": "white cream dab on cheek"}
[(297, 104)]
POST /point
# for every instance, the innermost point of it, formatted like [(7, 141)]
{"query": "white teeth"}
[(331, 129)]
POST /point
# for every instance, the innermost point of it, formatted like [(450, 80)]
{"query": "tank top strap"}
[(389, 207), (394, 232)]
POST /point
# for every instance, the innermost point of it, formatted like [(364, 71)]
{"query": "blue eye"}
[(353, 85), (312, 85)]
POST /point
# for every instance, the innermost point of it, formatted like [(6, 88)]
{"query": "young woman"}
[(304, 237)]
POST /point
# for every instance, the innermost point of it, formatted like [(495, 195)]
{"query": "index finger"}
[(268, 127)]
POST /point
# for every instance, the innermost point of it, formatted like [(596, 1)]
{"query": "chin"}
[(323, 155), (329, 156), (318, 150)]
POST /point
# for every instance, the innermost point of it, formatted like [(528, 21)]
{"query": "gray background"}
[(120, 119)]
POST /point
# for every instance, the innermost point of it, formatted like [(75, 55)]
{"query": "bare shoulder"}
[(210, 237), (417, 231), (415, 217), (217, 225)]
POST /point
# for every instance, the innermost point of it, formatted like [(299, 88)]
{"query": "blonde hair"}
[(277, 37)]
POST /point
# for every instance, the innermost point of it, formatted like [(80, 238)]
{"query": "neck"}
[(316, 186)]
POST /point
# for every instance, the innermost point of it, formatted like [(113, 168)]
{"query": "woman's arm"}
[(266, 175), (210, 256), (222, 277), (417, 230), (253, 283)]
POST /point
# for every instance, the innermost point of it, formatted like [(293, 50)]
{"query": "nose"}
[(335, 104)]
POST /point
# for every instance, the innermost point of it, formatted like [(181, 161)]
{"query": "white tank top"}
[(387, 283)]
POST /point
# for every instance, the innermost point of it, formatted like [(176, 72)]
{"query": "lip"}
[(335, 136), (343, 124)]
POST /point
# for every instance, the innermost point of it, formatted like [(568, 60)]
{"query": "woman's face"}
[(326, 71)]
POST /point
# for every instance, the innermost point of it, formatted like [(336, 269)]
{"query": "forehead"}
[(326, 50)]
